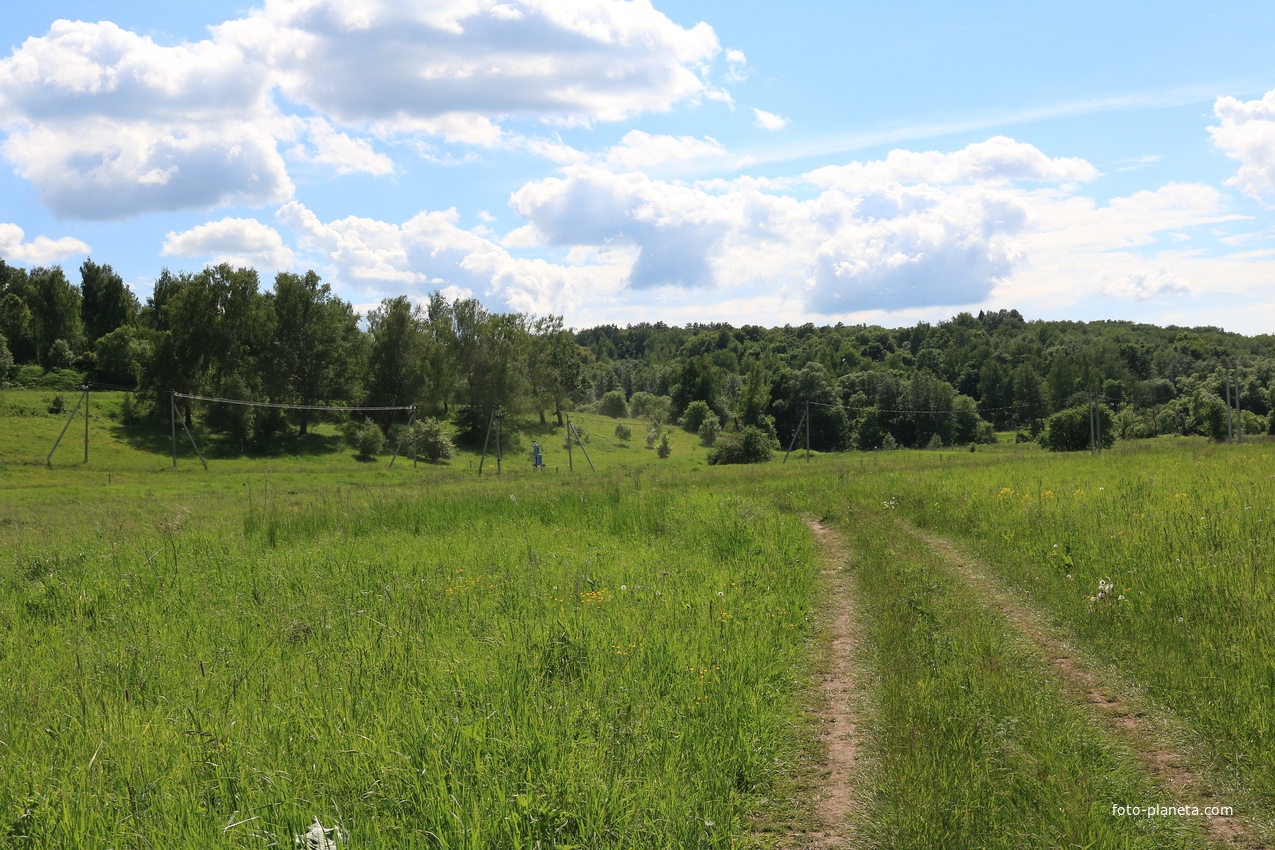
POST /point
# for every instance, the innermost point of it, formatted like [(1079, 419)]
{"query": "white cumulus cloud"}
[(343, 153), (40, 250), (914, 231), (1246, 131), (237, 241), (997, 160), (638, 151), (442, 65), (768, 120), (108, 124), (430, 252)]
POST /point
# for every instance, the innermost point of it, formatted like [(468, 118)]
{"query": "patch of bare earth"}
[(1140, 733), (837, 798)]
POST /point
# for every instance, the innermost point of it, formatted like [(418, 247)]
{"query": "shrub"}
[(368, 440), (751, 445), (644, 405), (433, 439), (653, 434), (58, 404), (613, 404), (694, 415), (664, 449), (60, 355), (623, 433), (1068, 430), (128, 409), (6, 360), (709, 429)]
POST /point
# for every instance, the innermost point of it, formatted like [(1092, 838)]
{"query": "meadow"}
[(624, 658)]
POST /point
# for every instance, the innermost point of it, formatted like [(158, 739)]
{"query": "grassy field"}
[(623, 658)]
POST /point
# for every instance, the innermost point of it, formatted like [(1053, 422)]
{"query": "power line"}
[(279, 406)]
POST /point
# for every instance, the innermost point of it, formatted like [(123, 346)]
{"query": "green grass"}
[(430, 659), (619, 659), (1181, 528), (976, 744)]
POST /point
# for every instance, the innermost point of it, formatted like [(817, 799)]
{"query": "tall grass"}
[(597, 664)]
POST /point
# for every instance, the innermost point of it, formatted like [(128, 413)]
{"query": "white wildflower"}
[(317, 837)]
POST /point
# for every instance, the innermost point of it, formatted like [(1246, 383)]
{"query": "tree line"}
[(218, 333)]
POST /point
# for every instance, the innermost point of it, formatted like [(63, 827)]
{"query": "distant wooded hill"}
[(217, 333)]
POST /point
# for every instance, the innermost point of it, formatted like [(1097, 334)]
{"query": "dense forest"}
[(217, 333)]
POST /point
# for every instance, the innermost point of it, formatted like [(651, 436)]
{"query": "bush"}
[(709, 429), (623, 433), (432, 439), (6, 360), (613, 404), (1068, 430), (368, 440), (644, 405), (664, 449), (60, 355), (128, 409), (694, 415), (751, 445), (58, 404), (653, 434)]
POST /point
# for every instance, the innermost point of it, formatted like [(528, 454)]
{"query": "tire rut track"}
[(1139, 733), (838, 683)]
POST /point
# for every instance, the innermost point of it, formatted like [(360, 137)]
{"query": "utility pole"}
[(1239, 413), (491, 420), (1097, 419), (807, 432), (1230, 434), (1091, 423), (571, 466), (172, 406)]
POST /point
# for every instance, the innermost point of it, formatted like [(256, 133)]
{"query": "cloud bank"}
[(913, 231), (108, 124)]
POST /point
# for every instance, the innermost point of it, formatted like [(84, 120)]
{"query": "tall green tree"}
[(106, 303), (316, 353), (395, 363), (555, 366), (442, 376), (55, 311), (212, 333)]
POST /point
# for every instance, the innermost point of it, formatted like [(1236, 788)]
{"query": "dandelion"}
[(720, 593), (624, 587)]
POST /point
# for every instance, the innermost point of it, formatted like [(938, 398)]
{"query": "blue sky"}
[(678, 161)]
